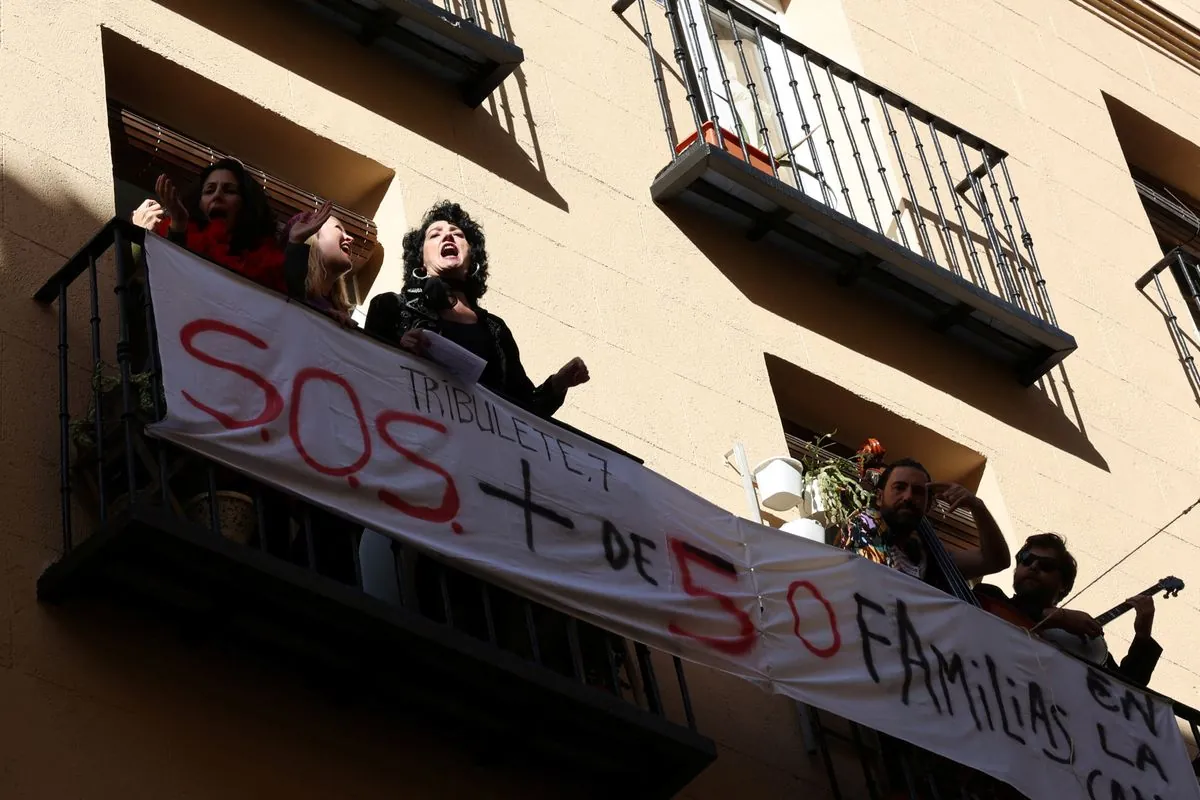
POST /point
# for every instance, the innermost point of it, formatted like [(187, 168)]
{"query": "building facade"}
[(919, 221)]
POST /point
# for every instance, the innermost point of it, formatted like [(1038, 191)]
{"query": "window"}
[(956, 529), (143, 149)]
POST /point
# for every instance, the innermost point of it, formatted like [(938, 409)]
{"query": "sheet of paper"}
[(458, 361)]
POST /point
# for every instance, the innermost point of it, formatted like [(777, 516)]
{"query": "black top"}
[(390, 316), (1138, 665)]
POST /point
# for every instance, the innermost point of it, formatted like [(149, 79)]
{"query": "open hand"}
[(951, 494), (573, 373), (172, 202), (148, 214), (309, 223)]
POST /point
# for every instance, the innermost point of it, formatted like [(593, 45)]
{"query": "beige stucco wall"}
[(557, 165)]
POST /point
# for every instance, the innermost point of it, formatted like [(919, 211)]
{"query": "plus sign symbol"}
[(524, 501)]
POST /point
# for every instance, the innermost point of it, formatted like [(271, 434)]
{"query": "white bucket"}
[(780, 483), (806, 529)]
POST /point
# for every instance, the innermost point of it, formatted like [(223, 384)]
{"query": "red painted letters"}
[(274, 401), (315, 374), (274, 404), (836, 643), (684, 554), (449, 507)]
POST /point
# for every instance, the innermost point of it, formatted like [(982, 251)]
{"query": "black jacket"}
[(390, 316), (1138, 664)]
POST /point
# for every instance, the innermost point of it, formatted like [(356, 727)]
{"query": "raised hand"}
[(148, 214), (952, 495), (172, 202), (309, 223), (573, 373)]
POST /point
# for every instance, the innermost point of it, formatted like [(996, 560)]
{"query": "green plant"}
[(105, 382), (836, 478)]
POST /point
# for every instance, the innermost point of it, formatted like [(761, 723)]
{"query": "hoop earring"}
[(474, 271), (420, 273)]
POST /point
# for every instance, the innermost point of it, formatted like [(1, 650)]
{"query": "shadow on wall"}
[(44, 225), (774, 279), (279, 31)]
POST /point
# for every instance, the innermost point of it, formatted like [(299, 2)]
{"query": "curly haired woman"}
[(445, 275)]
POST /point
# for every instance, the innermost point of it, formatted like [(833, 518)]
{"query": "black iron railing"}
[(110, 467), (1185, 270), (848, 142), (863, 763)]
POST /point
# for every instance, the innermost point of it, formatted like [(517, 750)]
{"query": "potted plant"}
[(832, 487), (106, 385), (731, 143)]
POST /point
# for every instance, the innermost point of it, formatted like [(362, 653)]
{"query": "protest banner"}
[(275, 390)]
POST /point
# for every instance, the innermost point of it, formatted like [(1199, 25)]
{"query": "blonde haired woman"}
[(317, 261)]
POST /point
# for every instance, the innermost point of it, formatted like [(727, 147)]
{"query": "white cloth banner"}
[(275, 390)]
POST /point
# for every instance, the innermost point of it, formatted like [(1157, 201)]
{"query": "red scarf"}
[(262, 264)]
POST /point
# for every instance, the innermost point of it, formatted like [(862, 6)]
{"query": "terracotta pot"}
[(235, 514), (731, 144)]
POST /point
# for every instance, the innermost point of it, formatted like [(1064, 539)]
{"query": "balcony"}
[(176, 533), (1184, 269), (457, 41), (882, 768), (884, 196)]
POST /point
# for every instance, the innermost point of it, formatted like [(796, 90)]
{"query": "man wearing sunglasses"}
[(1044, 575)]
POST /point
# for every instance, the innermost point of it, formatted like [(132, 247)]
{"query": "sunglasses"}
[(1043, 563)]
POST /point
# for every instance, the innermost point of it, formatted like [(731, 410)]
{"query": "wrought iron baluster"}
[(918, 217), (489, 617), (829, 142), (501, 23), (989, 223), (97, 362), (64, 418), (683, 59), (444, 590), (854, 152), (738, 124), (866, 123), (752, 87), (783, 131), (1039, 283), (660, 84), (943, 224), (124, 273), (976, 270), (310, 543), (688, 712), (701, 62), (531, 628), (827, 194), (575, 649), (646, 667), (472, 12), (1020, 275)]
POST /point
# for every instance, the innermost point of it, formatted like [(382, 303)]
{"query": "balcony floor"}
[(504, 703), (724, 184)]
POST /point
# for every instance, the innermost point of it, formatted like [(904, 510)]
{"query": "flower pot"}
[(806, 529), (814, 505), (732, 144), (780, 483), (235, 514)]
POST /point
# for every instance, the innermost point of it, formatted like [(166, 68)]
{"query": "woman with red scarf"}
[(224, 218)]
